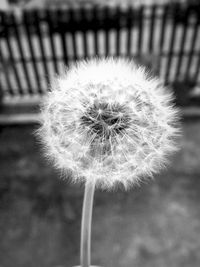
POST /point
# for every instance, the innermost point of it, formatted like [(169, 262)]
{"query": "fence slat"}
[(74, 44), (172, 42), (61, 14), (26, 24), (19, 43), (94, 18), (6, 73), (191, 51), (152, 27), (106, 18), (50, 16), (140, 29), (182, 43), (118, 14), (162, 36), (197, 70), (84, 32), (130, 17), (12, 59), (37, 25)]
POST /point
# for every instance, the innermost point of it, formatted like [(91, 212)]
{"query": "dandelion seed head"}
[(109, 122)]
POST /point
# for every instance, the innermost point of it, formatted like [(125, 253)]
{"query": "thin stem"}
[(86, 225)]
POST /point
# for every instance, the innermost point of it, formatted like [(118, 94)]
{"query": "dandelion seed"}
[(109, 123)]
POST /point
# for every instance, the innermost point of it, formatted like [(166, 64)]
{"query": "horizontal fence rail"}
[(37, 44)]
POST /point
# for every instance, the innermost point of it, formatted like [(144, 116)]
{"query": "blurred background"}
[(154, 225)]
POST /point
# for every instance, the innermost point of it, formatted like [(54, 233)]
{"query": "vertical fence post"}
[(118, 15), (140, 18), (74, 43), (50, 14), (196, 26), (37, 25), (61, 16), (6, 73), (175, 11), (84, 31), (162, 36), (182, 43), (152, 27), (94, 18), (197, 70), (130, 17), (27, 26), (11, 54), (18, 37), (106, 18)]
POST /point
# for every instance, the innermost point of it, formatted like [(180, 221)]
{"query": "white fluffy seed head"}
[(109, 123)]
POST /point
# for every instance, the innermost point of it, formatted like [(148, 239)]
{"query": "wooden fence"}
[(34, 45)]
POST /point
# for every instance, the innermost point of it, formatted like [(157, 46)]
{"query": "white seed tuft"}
[(109, 123)]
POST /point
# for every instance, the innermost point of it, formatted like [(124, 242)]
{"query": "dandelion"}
[(109, 123)]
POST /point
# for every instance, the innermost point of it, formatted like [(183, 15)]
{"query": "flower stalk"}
[(85, 249), (109, 123)]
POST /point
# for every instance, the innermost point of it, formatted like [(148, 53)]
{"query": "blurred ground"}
[(155, 225)]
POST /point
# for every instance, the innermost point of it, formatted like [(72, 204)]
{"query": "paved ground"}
[(156, 225)]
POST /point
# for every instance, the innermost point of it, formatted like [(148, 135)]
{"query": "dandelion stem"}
[(86, 225)]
